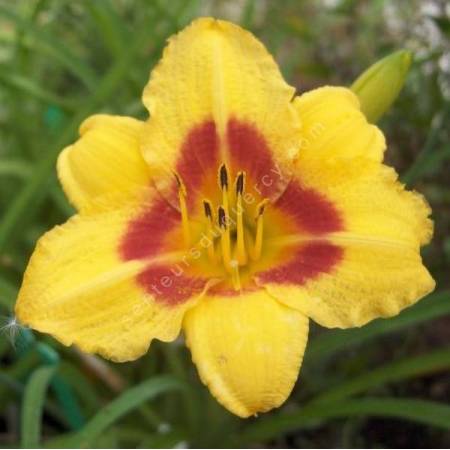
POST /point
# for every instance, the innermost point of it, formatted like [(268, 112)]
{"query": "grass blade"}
[(422, 162), (29, 198), (84, 390), (55, 49), (29, 87), (8, 294), (109, 25), (14, 168), (122, 405), (18, 371), (435, 305), (33, 403), (399, 370), (422, 411)]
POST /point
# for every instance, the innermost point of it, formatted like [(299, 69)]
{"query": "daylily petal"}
[(334, 126), (217, 96), (84, 286), (106, 158), (248, 349), (372, 267), (370, 199)]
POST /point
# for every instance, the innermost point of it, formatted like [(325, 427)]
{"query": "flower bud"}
[(380, 84)]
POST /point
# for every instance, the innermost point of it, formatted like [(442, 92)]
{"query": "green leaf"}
[(248, 13), (29, 198), (10, 383), (60, 200), (68, 402), (14, 168), (18, 371), (85, 391), (52, 47), (427, 154), (8, 294), (121, 406), (172, 439), (398, 370), (422, 411), (330, 342), (109, 25), (32, 406), (442, 22), (31, 88), (191, 404)]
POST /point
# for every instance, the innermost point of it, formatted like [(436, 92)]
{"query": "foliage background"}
[(386, 384)]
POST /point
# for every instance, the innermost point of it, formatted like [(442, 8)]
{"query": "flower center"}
[(235, 237)]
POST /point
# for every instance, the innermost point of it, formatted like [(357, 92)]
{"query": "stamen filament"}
[(241, 252), (225, 239), (235, 277), (184, 212), (209, 217), (223, 183), (259, 230)]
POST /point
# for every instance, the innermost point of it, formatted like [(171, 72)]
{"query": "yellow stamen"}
[(184, 212), (224, 217), (225, 238), (235, 278), (241, 253), (210, 221), (223, 183), (259, 230)]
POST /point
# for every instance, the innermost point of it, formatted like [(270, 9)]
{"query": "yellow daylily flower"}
[(236, 213)]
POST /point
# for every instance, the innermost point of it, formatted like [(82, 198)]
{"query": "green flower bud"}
[(380, 84)]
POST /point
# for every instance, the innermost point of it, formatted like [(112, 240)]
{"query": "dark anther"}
[(261, 209), (222, 218), (178, 180), (207, 206), (223, 177), (181, 186), (240, 183)]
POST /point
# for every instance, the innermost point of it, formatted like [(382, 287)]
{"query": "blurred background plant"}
[(385, 385)]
